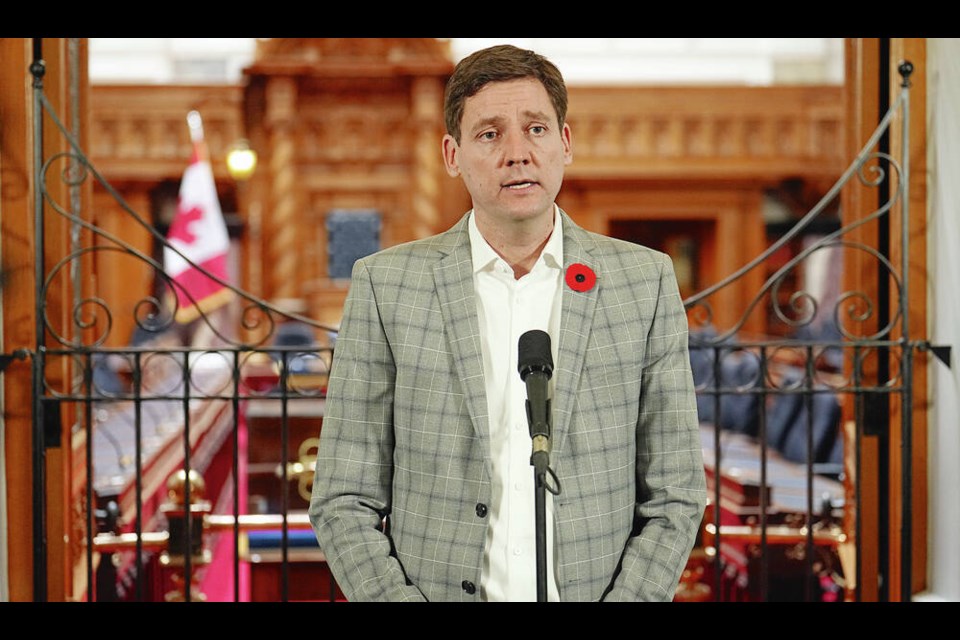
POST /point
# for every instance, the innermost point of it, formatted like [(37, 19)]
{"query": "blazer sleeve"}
[(352, 482), (671, 482)]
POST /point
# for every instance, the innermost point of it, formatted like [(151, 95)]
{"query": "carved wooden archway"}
[(340, 124)]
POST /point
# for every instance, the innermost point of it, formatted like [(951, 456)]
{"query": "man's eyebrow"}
[(483, 123), (536, 115)]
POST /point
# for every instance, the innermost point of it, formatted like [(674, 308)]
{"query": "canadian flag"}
[(197, 238)]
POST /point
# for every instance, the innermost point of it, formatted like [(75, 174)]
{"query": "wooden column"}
[(282, 218), (17, 243), (860, 274), (427, 109), (58, 307)]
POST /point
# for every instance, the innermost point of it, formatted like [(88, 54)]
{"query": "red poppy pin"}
[(580, 277)]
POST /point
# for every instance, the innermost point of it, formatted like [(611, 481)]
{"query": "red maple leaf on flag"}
[(180, 228), (198, 245)]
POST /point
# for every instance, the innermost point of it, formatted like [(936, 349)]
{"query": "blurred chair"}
[(293, 334), (739, 376), (790, 418)]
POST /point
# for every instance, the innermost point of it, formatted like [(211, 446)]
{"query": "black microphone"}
[(535, 364)]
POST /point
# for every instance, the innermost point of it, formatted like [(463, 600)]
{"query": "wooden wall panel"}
[(64, 70), (862, 108), (16, 235)]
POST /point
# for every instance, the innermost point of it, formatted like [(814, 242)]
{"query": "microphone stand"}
[(535, 364), (540, 461)]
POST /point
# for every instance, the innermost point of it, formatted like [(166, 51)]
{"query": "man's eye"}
[(538, 130), (488, 135)]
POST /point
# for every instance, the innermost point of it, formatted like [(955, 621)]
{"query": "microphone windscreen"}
[(534, 353)]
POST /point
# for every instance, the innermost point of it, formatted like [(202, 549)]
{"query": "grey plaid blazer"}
[(403, 471)]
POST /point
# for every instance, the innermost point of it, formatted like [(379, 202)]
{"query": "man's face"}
[(512, 151)]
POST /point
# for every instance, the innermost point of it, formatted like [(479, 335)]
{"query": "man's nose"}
[(516, 149)]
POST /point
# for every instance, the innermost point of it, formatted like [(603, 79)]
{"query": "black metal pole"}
[(37, 69), (881, 409), (906, 408), (540, 464), (535, 365)]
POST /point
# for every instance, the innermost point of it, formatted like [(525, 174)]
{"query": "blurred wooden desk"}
[(270, 421), (794, 500), (741, 460)]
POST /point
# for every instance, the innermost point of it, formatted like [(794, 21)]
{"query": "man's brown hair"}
[(498, 64)]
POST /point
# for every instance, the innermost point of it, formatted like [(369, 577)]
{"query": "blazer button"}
[(481, 510), (469, 587)]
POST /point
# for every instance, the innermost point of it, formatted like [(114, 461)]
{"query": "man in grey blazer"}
[(423, 489)]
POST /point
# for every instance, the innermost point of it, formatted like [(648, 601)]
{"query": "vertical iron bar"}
[(138, 466), (808, 395), (858, 420), (764, 546), (717, 556), (90, 517), (75, 202), (906, 404), (881, 412), (235, 402), (37, 68), (187, 498), (284, 486)]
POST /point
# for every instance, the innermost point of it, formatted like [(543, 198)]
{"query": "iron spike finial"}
[(38, 68), (905, 69)]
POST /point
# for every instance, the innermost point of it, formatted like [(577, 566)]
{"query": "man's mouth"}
[(520, 184)]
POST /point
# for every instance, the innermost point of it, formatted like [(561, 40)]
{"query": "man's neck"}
[(520, 243)]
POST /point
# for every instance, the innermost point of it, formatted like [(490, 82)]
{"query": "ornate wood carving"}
[(139, 132), (363, 120), (351, 56), (707, 133)]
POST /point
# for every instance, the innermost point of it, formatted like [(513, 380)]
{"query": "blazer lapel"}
[(576, 321), (453, 277)]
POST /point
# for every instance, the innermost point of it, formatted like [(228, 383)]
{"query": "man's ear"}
[(566, 137), (450, 149)]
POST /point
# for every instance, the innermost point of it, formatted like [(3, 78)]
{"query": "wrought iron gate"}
[(158, 422)]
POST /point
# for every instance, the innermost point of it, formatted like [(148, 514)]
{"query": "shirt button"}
[(517, 551), (481, 510), (469, 587)]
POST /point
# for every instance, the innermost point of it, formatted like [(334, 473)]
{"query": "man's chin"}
[(527, 215), (527, 208)]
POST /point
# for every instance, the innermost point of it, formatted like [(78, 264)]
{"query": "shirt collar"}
[(484, 257)]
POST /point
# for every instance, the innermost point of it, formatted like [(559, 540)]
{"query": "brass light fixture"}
[(241, 160)]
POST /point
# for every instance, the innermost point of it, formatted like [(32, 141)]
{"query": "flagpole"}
[(195, 123)]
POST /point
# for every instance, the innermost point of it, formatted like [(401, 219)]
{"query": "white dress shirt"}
[(507, 308)]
